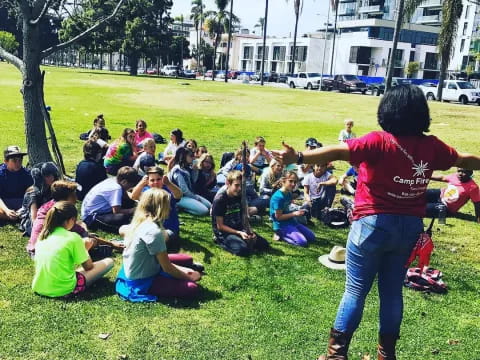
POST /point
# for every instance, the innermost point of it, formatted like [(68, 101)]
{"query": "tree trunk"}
[(396, 35), (441, 78), (133, 61), (33, 103), (292, 65)]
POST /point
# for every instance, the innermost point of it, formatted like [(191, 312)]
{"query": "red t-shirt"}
[(456, 194), (394, 171)]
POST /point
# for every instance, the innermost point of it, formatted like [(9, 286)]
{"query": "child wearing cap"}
[(347, 133), (146, 158), (14, 181), (43, 174)]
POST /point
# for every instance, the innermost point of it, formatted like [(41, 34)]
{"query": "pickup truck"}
[(345, 83), (376, 89), (454, 90), (306, 80)]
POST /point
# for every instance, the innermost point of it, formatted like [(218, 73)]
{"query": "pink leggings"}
[(166, 286)]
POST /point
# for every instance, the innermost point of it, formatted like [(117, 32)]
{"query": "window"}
[(462, 45), (248, 52), (279, 53), (260, 52), (465, 26), (302, 76), (467, 11), (452, 86), (412, 56)]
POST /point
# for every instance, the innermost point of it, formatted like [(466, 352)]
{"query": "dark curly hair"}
[(404, 111)]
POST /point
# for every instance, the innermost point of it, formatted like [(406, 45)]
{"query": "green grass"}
[(279, 305)]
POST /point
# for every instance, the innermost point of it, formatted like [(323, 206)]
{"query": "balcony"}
[(375, 9), (431, 4), (346, 12), (429, 20), (347, 1)]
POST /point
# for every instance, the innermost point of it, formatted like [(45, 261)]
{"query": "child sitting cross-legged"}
[(148, 271), (62, 264), (285, 223)]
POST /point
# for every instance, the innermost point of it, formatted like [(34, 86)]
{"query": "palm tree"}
[(197, 17), (451, 13), (297, 7), (399, 18), (260, 24), (217, 23)]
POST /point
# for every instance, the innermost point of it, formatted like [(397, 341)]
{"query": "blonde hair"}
[(60, 212), (348, 121), (149, 143), (154, 205), (271, 175), (234, 175)]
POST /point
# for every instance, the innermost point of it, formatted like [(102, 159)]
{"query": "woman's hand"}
[(286, 156), (165, 180)]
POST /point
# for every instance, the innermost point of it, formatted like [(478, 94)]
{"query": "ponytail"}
[(59, 213)]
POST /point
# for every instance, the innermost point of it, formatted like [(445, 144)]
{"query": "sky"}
[(281, 16)]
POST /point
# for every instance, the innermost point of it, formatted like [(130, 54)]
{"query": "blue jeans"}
[(378, 244), (195, 206)]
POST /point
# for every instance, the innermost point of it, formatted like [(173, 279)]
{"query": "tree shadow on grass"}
[(205, 296)]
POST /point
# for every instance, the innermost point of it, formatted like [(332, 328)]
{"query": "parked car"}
[(454, 90), (283, 78), (140, 71), (345, 83), (189, 74), (376, 89), (306, 80), (267, 76), (210, 73), (169, 70), (152, 71), (234, 74)]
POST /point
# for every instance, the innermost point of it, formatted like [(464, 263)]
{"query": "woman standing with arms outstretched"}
[(395, 166)]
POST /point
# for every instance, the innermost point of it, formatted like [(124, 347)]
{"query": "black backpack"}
[(226, 157), (159, 139), (335, 218)]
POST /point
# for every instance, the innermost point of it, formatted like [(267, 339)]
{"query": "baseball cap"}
[(146, 162), (311, 142), (13, 150)]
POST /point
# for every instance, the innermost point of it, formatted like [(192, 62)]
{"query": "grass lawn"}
[(279, 305)]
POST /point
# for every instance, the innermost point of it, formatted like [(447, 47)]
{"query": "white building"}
[(364, 48), (278, 54)]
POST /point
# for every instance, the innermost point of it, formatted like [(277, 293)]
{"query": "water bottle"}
[(442, 214)]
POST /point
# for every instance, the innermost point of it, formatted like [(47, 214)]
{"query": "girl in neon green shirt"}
[(58, 254)]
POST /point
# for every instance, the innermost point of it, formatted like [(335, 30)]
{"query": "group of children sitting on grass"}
[(140, 201)]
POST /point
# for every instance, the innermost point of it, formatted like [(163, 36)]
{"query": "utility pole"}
[(336, 2), (229, 39), (264, 41), (324, 48)]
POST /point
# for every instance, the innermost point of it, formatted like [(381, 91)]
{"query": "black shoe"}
[(197, 267)]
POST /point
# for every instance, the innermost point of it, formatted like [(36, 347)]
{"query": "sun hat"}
[(11, 151), (335, 260)]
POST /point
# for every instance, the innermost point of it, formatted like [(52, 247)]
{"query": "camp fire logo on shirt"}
[(420, 168)]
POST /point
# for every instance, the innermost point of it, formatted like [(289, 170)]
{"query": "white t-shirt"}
[(171, 148), (102, 197), (312, 182)]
